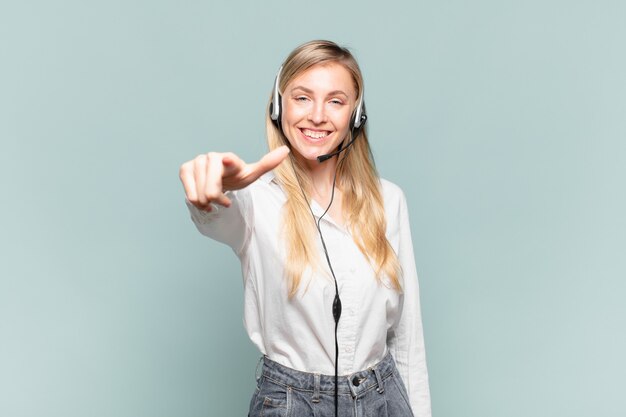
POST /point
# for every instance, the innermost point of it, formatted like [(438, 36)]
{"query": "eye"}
[(336, 101), (301, 98)]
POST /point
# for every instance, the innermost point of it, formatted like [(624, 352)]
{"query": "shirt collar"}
[(270, 177)]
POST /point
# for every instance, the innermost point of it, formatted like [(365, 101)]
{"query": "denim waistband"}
[(354, 383)]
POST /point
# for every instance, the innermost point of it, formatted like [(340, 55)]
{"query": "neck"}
[(321, 174)]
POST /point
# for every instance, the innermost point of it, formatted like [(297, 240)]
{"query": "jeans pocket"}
[(274, 399), (273, 408)]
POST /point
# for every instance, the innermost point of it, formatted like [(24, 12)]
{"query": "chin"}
[(311, 155)]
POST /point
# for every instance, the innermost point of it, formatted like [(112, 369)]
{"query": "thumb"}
[(270, 161)]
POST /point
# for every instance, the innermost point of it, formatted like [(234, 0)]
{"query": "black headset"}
[(357, 120)]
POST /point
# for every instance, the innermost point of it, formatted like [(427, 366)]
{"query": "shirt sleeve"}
[(406, 341), (229, 225)]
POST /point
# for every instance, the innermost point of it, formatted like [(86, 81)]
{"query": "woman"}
[(330, 287)]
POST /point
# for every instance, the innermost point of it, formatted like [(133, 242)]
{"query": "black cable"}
[(337, 300)]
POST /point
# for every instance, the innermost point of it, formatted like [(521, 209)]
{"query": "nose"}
[(317, 114)]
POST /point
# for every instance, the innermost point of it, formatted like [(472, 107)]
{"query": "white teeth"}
[(313, 134)]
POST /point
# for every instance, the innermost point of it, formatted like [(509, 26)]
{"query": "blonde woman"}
[(331, 295)]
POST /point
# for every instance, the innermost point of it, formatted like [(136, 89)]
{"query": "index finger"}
[(269, 161)]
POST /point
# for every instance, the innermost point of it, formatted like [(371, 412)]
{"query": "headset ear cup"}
[(275, 104), (276, 112), (354, 129), (358, 115)]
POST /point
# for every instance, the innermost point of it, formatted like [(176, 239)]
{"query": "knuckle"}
[(200, 159), (181, 171), (187, 163), (211, 195)]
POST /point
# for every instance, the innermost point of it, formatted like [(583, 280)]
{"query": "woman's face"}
[(317, 107)]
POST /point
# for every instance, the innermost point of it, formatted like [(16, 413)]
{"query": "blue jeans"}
[(375, 392)]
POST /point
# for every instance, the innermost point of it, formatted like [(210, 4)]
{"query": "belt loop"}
[(256, 371), (379, 380), (316, 390)]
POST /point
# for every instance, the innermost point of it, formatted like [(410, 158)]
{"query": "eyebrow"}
[(309, 91)]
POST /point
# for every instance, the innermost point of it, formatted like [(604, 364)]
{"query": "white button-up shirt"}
[(300, 332)]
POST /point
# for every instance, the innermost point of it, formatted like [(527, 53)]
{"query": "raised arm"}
[(211, 182), (208, 176)]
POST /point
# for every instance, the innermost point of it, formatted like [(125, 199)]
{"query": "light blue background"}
[(504, 122)]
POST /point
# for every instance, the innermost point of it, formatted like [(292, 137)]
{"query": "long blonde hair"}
[(362, 200)]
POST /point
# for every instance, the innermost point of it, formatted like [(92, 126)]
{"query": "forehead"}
[(323, 78)]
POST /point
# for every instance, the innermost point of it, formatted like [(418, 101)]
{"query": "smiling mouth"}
[(315, 134)]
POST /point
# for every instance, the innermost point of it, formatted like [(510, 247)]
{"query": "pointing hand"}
[(207, 176)]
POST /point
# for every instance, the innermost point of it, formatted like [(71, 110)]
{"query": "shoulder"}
[(392, 194), (395, 210)]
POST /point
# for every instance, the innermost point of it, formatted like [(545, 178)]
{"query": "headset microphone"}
[(354, 134)]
